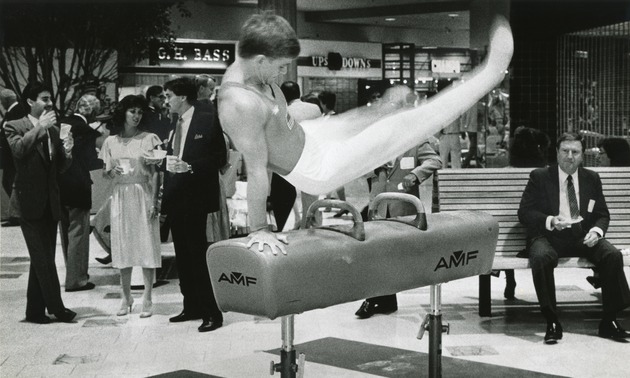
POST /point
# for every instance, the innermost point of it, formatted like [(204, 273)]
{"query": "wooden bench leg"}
[(485, 305)]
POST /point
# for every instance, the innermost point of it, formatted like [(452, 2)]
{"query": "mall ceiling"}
[(410, 14)]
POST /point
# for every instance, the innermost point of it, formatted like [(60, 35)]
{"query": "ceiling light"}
[(453, 15), (390, 19)]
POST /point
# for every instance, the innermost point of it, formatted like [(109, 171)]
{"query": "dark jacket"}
[(156, 123), (204, 150), (36, 175), (75, 183), (541, 198), (6, 159)]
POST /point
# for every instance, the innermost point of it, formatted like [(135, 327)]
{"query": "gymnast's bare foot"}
[(501, 45)]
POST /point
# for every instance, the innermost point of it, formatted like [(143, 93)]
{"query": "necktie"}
[(178, 136), (45, 147), (573, 204)]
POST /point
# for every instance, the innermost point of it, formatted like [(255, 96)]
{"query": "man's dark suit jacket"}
[(36, 175), (541, 198), (8, 167), (75, 184), (204, 150), (156, 123)]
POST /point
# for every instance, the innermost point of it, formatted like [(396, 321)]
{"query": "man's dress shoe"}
[(368, 309), (208, 325), (65, 316), (38, 319), (554, 333), (105, 260), (87, 286), (611, 329), (594, 281), (184, 317)]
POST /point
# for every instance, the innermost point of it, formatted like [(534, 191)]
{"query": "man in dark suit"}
[(565, 212), (13, 110), (191, 191), (39, 157), (405, 175), (75, 186)]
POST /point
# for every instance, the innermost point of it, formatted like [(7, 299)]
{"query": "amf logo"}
[(457, 258), (238, 279)]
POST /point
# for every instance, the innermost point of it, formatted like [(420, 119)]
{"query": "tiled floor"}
[(100, 344)]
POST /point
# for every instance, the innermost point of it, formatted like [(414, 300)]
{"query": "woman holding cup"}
[(130, 163)]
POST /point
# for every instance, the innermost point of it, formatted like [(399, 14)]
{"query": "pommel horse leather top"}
[(325, 267)]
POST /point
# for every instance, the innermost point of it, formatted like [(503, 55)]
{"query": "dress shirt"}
[(565, 211), (35, 122), (186, 118)]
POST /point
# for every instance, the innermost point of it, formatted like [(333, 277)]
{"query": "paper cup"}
[(170, 162), (64, 130), (125, 164)]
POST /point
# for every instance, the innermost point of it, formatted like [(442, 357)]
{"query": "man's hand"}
[(409, 181), (47, 119), (275, 241), (591, 239), (176, 165), (68, 143), (560, 223)]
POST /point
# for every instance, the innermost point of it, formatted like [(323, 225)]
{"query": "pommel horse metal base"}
[(432, 322), (426, 251), (287, 367)]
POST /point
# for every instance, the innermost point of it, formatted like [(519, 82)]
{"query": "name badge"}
[(591, 205), (407, 163)]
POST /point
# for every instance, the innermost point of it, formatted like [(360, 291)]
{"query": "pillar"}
[(288, 10)]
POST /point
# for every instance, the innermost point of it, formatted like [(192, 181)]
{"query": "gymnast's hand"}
[(275, 241)]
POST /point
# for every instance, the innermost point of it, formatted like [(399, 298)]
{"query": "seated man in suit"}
[(565, 212)]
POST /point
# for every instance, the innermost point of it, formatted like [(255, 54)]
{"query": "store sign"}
[(165, 53), (335, 62), (445, 66)]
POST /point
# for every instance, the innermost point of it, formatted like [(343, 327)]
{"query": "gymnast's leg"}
[(370, 138)]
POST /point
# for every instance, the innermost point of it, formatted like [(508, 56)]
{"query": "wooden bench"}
[(498, 191)]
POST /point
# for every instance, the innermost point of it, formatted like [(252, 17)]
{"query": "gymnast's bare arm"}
[(243, 117)]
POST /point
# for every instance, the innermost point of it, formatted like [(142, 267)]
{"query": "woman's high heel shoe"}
[(147, 309), (125, 307)]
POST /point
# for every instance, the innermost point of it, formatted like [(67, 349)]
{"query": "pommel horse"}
[(326, 266)]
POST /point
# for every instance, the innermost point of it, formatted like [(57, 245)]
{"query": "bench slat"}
[(498, 191)]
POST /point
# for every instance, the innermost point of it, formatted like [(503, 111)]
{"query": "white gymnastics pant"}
[(342, 148)]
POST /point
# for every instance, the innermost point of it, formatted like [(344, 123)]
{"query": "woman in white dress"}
[(129, 163)]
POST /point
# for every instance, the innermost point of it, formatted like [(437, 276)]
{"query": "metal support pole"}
[(435, 332), (287, 366)]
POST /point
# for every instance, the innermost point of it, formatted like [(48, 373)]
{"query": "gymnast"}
[(318, 156)]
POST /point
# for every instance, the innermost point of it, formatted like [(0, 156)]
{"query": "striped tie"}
[(178, 137), (573, 204)]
